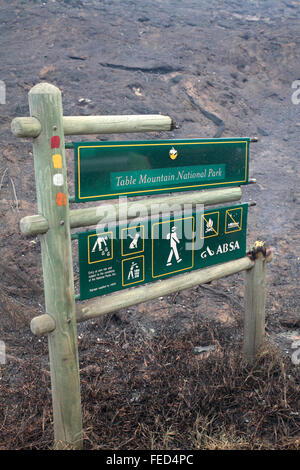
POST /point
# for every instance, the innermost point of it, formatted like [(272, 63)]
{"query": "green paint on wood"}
[(138, 252), (110, 169)]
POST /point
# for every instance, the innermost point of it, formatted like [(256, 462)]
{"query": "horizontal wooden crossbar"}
[(77, 125), (37, 224), (101, 305)]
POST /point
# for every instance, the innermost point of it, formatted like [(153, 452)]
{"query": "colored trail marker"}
[(55, 142), (61, 199), (57, 160)]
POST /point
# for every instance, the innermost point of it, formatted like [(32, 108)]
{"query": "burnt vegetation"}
[(142, 391), (220, 69)]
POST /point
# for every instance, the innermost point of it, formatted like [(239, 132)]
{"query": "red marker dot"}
[(55, 142)]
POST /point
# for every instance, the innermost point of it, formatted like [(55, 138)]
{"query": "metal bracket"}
[(260, 247)]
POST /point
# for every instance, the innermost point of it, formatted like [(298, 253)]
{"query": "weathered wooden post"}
[(255, 298), (52, 197)]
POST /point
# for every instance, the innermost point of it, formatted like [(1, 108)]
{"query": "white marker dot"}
[(58, 179)]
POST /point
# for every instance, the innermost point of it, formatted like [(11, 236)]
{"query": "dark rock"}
[(291, 320), (262, 131)]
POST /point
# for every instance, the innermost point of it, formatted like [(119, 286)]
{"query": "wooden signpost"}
[(128, 254), (118, 260)]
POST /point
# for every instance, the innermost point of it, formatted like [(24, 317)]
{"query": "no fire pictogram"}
[(209, 224)]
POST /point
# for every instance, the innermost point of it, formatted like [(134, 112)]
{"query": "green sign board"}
[(111, 169), (135, 253)]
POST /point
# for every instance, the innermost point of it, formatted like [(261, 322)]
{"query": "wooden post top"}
[(44, 88)]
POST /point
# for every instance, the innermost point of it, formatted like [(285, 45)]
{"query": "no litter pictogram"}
[(133, 270), (233, 220)]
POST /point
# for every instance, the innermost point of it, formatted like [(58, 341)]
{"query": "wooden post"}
[(255, 297), (52, 197), (77, 125), (93, 308), (35, 224)]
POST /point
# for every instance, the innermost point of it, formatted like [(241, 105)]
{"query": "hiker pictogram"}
[(172, 246), (172, 236)]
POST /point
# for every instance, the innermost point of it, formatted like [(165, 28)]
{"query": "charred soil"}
[(220, 70)]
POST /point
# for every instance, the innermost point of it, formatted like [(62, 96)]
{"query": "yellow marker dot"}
[(57, 160)]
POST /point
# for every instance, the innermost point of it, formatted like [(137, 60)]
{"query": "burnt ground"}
[(219, 69)]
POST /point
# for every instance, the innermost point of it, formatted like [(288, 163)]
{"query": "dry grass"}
[(156, 393)]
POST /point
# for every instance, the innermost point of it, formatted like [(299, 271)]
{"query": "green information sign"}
[(135, 253), (112, 169)]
